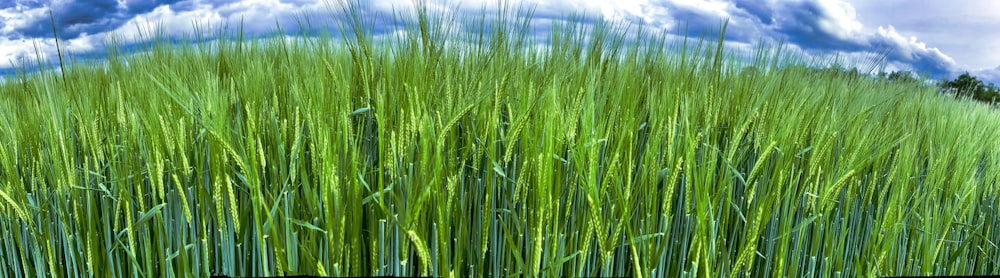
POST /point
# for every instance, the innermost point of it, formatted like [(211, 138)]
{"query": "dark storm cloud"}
[(761, 10), (8, 4), (21, 3), (812, 25), (829, 26), (183, 6), (696, 21), (824, 26), (917, 54), (832, 26), (815, 26), (699, 19), (74, 18)]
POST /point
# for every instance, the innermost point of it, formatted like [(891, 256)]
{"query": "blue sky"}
[(940, 38)]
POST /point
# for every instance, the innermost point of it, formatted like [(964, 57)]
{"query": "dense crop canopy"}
[(601, 150)]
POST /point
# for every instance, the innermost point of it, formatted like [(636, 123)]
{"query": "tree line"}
[(964, 86), (969, 86)]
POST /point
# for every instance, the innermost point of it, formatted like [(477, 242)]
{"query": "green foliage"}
[(966, 85), (457, 153), (902, 77)]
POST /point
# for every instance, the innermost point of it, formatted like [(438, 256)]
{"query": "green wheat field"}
[(603, 149)]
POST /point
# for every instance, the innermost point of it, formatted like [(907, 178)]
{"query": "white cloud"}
[(989, 75), (173, 23), (841, 20), (17, 17), (14, 52), (816, 26)]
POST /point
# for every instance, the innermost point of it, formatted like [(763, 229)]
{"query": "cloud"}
[(72, 18), (822, 26), (83, 26), (815, 26), (761, 10), (833, 25), (913, 52), (698, 18), (989, 75)]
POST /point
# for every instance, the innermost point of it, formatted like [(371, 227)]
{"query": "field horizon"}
[(605, 149)]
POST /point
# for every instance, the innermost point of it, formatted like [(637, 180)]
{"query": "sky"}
[(939, 38)]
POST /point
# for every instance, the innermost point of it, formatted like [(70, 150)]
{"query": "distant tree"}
[(966, 85), (901, 77)]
